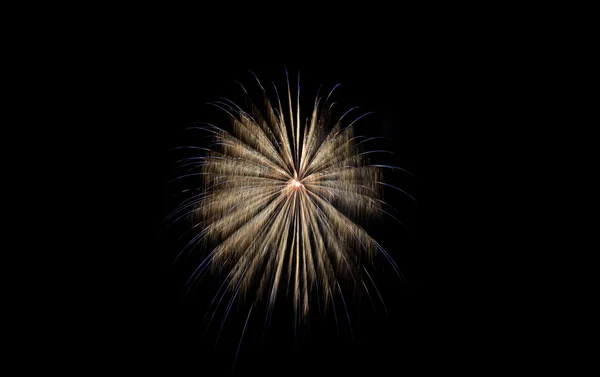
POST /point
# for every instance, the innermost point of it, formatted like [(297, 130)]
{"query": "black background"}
[(439, 97)]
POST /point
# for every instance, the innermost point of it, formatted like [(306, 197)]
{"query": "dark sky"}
[(427, 97)]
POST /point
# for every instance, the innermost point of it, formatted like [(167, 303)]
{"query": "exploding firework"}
[(282, 200)]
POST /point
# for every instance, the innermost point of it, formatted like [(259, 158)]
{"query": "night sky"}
[(426, 100)]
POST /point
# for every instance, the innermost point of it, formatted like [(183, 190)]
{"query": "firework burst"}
[(282, 199)]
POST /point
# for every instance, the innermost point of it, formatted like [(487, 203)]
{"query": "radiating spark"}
[(282, 201)]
